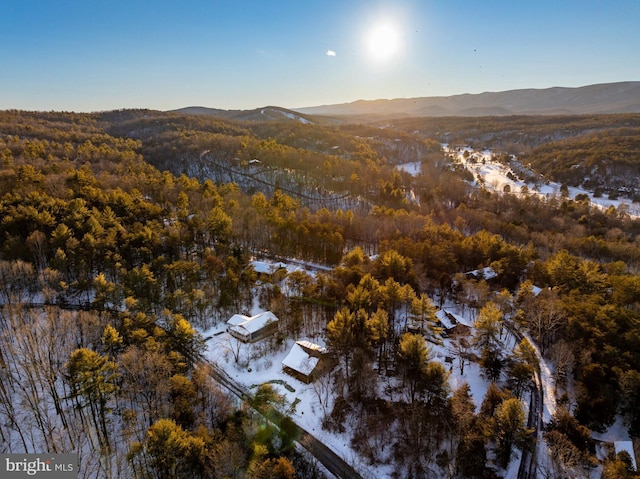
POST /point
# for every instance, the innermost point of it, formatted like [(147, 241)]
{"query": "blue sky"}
[(92, 55)]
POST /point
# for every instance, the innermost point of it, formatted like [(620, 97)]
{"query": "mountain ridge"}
[(266, 113), (601, 98)]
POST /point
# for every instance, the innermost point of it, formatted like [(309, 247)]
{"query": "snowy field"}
[(495, 176)]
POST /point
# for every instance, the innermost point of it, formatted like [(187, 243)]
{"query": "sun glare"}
[(383, 42)]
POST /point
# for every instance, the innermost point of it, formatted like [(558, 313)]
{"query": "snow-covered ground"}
[(412, 168), (617, 435), (548, 385), (308, 410), (310, 402), (289, 115), (495, 176)]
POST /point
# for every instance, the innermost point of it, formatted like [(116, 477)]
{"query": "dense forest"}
[(123, 233)]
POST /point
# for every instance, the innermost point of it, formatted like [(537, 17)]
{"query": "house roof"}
[(237, 319), (484, 273), (299, 360), (266, 267), (460, 319), (252, 324), (444, 319)]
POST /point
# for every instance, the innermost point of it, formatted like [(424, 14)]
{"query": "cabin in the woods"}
[(306, 361), (453, 326)]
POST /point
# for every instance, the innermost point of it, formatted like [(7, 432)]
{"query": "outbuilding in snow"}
[(306, 361), (251, 329)]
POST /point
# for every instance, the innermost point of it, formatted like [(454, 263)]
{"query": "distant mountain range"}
[(623, 97)]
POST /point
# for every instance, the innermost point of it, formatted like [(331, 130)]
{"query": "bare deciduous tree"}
[(545, 316)]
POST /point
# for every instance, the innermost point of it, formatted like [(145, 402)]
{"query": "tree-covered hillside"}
[(606, 162)]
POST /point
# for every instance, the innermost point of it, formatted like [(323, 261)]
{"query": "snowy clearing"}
[(496, 176)]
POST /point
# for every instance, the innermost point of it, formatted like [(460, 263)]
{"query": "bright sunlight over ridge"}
[(383, 42)]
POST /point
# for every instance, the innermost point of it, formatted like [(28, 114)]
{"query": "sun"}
[(382, 42)]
